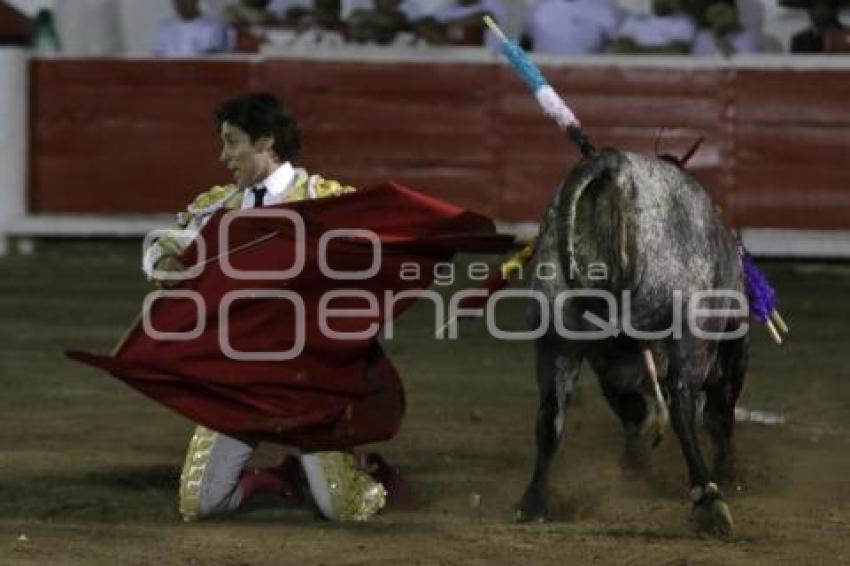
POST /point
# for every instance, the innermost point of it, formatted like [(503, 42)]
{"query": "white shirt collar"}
[(280, 180)]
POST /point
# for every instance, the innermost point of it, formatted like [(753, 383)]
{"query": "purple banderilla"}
[(760, 292)]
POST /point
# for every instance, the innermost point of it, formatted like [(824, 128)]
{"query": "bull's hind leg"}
[(688, 362), (557, 373), (635, 413), (721, 395), (630, 391)]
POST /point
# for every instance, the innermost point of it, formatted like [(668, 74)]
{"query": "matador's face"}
[(249, 161)]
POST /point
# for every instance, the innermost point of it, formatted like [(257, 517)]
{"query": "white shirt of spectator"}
[(656, 31), (203, 35), (742, 42), (454, 11), (572, 27)]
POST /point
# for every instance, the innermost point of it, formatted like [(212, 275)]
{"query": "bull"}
[(664, 245)]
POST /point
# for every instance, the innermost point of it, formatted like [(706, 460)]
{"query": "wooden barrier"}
[(137, 136), (791, 137)]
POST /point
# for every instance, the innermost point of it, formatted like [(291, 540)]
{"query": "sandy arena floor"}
[(89, 469)]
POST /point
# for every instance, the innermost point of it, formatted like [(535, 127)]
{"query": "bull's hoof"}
[(527, 516), (532, 509), (714, 518)]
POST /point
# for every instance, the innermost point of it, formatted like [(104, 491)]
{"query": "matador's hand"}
[(170, 263)]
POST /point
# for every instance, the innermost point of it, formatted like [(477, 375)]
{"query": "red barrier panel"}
[(425, 124), (124, 136), (791, 137)]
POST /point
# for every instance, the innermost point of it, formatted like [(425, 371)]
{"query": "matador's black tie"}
[(259, 193)]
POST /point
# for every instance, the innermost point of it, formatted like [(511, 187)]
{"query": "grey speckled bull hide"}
[(655, 232)]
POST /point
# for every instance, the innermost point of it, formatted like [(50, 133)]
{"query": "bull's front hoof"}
[(532, 509), (714, 518)]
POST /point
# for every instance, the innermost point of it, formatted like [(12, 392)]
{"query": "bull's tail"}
[(599, 173), (599, 168), (585, 178)]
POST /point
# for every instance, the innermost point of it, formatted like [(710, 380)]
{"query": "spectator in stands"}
[(410, 8), (571, 27), (250, 13), (249, 20), (696, 9), (191, 34), (724, 35), (46, 38), (667, 30), (322, 15), (15, 27), (461, 21), (383, 21), (824, 16), (290, 12)]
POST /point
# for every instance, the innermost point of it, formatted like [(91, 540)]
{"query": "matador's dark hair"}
[(262, 114)]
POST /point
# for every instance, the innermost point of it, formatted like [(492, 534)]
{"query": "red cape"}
[(337, 392)]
